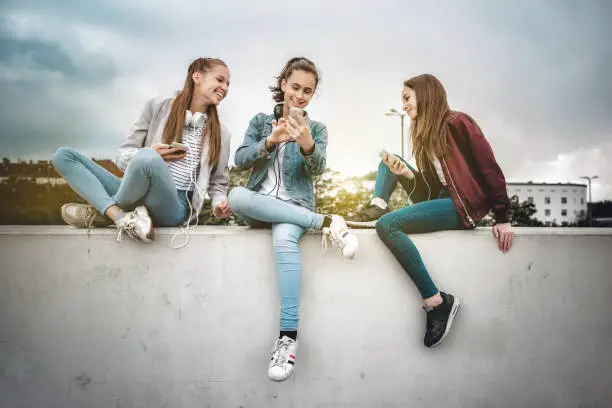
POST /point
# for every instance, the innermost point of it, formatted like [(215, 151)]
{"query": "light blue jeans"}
[(147, 181), (288, 222)]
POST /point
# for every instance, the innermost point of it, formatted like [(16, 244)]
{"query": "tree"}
[(521, 213)]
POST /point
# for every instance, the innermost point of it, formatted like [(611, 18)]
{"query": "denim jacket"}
[(298, 168)]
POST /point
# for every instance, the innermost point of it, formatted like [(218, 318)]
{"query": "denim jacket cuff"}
[(261, 148)]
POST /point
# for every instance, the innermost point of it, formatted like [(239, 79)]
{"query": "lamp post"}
[(394, 112), (587, 178)]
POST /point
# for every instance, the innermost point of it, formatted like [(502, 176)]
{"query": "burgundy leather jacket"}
[(474, 180)]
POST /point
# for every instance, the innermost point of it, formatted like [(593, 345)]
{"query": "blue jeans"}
[(386, 182), (425, 215), (288, 222), (147, 181)]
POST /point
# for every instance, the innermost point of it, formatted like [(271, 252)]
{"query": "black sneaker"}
[(367, 217), (440, 320)]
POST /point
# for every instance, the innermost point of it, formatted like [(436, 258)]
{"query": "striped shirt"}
[(185, 171)]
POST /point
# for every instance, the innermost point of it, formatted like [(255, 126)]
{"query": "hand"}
[(279, 133), (168, 153), (397, 166), (504, 235), (300, 132), (223, 210)]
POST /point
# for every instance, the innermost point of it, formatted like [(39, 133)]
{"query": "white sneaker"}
[(137, 224), (283, 359), (341, 237)]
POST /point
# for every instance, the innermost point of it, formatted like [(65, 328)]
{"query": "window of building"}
[(530, 199), (547, 212), (552, 190), (563, 200), (529, 190), (564, 191), (581, 201), (518, 190), (564, 212), (546, 200), (541, 190)]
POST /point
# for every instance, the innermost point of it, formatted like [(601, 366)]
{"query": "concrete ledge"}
[(89, 322)]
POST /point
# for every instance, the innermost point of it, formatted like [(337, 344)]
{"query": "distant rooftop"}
[(531, 183)]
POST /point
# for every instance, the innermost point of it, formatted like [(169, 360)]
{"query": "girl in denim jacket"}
[(286, 150), (162, 184)]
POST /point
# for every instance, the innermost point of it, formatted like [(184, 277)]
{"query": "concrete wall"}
[(88, 322)]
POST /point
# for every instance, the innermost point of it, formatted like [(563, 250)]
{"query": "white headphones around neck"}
[(197, 119)]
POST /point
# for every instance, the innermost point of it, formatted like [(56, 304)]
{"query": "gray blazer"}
[(149, 129)]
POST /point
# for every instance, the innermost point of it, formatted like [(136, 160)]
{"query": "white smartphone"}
[(296, 113), (385, 156), (180, 146)]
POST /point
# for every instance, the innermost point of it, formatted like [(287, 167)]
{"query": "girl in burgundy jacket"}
[(457, 184)]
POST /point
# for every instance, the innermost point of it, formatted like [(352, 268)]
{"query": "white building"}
[(560, 203)]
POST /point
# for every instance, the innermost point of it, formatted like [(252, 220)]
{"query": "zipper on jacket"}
[(458, 195)]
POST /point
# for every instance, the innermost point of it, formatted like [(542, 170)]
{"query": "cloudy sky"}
[(534, 74)]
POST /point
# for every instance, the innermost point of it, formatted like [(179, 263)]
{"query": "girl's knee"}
[(147, 157), (237, 198), (384, 225), (62, 154)]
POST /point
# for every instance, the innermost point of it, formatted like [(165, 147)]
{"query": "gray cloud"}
[(534, 75)]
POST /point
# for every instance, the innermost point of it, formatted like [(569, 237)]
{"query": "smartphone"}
[(296, 113), (385, 156), (163, 145), (180, 146)]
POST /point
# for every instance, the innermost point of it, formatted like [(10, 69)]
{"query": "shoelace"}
[(335, 239), (129, 226), (90, 216), (280, 353)]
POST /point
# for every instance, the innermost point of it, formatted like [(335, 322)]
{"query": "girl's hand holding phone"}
[(279, 133), (299, 130), (168, 153), (396, 165)]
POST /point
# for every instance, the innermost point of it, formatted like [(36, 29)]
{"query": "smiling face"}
[(409, 102), (299, 88), (212, 85)]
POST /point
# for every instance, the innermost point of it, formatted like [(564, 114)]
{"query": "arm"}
[(252, 148), (136, 137), (219, 178), (486, 165), (316, 161)]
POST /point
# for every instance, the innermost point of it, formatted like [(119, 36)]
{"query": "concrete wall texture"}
[(88, 322)]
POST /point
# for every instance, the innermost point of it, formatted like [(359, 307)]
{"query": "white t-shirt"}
[(274, 184), (438, 167)]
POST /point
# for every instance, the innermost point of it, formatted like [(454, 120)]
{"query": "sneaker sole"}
[(150, 237), (281, 379), (361, 224), (451, 317)]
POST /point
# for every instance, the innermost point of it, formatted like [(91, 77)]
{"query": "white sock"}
[(379, 202), (119, 216)]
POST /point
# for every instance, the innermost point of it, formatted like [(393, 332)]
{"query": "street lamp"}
[(587, 178), (394, 112)]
